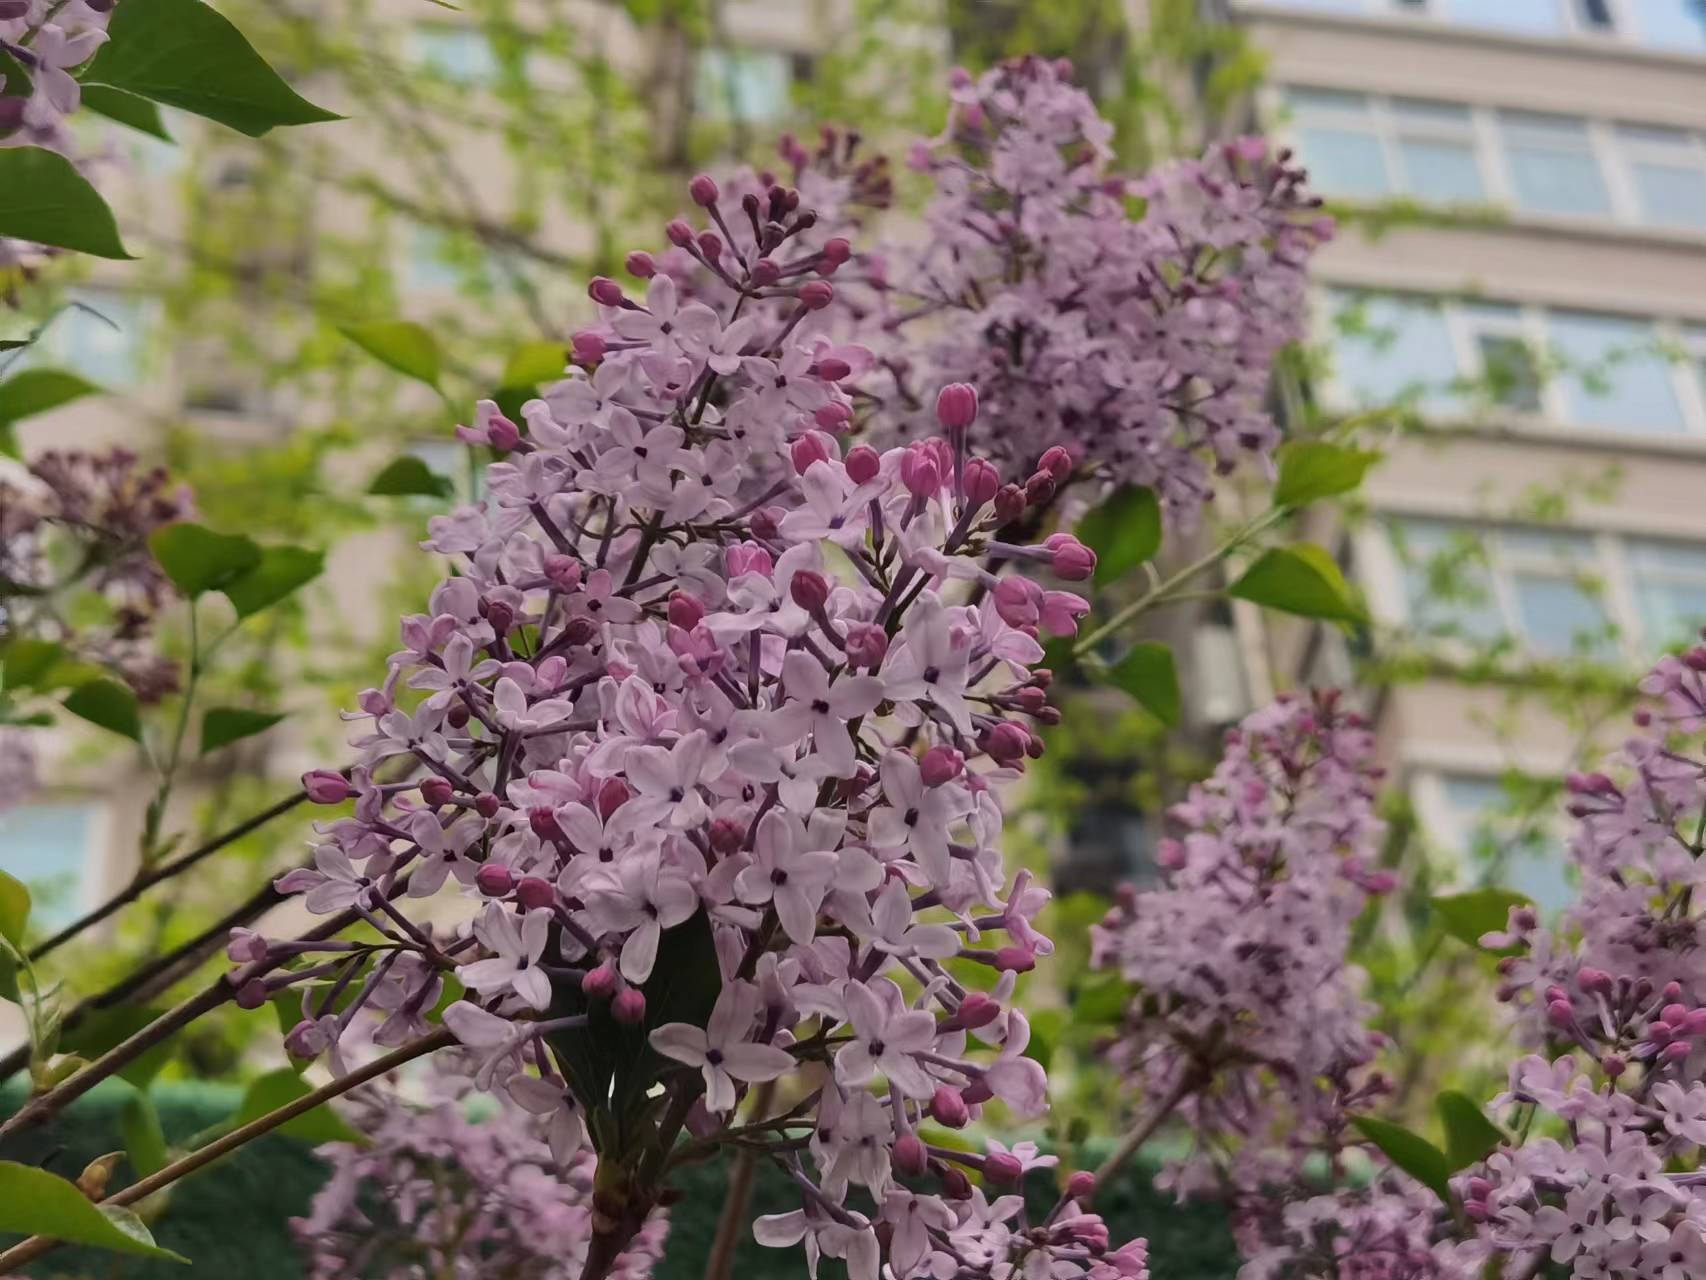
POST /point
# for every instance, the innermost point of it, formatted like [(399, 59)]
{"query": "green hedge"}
[(233, 1219)]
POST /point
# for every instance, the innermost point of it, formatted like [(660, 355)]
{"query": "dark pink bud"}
[(764, 523), (1015, 959), (613, 793), (948, 1108), (833, 369), (326, 786), (983, 481), (956, 405), (487, 805), (1010, 503), (599, 983), (836, 250), (605, 291), (1672, 992), (494, 879), (727, 835), (685, 611), (1614, 1065), (1676, 1052), (251, 995), (629, 1007), (1071, 559), (809, 589), (866, 645), (977, 1092), (1695, 1023), (1002, 1169), (1016, 600), (977, 1010), (704, 191), (1675, 1014), (863, 464), (1560, 1013), (589, 346), (679, 232), (1039, 488), (941, 764), (245, 946), (815, 295), (1524, 919), (1057, 462), (1081, 1186), (1005, 742), (711, 245), (955, 1185), (544, 823), (641, 264), (564, 571), (909, 1155), (920, 472), (766, 272), (501, 433), (534, 892), (437, 791), (806, 450), (833, 417)]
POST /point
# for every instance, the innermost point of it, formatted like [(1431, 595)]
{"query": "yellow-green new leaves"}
[(35, 1202), (280, 1088), (401, 345), (250, 576), (1123, 532), (185, 54), (1300, 579), (14, 909), (1148, 675), (1310, 470)]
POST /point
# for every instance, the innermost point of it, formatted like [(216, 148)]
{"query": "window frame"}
[(1624, 29)]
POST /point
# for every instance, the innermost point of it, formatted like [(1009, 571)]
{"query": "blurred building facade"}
[(1536, 295)]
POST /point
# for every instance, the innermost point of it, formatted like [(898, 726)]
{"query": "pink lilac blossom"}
[(1131, 322), (714, 726), (433, 1191), (47, 40)]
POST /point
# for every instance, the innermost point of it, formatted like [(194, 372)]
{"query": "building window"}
[(1524, 17), (1394, 348), (1614, 374), (1677, 25), (461, 54), (1669, 24), (51, 848), (1552, 165), (1553, 594), (753, 86), (1340, 141), (1667, 174), (99, 335), (1502, 833), (1436, 151)]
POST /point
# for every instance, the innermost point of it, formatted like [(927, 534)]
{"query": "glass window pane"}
[(744, 84), (1614, 375), (1507, 365), (462, 54), (1559, 617), (47, 847), (1530, 17), (1552, 165), (1669, 584), (1447, 586), (101, 339), (1671, 195), (1344, 162), (1670, 24), (1505, 843), (1445, 172), (1394, 348)]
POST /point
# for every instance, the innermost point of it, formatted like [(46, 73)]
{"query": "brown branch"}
[(731, 1223), (21, 1254)]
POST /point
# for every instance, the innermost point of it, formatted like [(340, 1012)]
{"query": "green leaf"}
[(185, 54), (198, 560), (126, 108), (105, 1029), (29, 664), (1101, 999), (1469, 1136), (14, 909), (18, 81), (1467, 916), (1123, 532), (36, 1202), (109, 704), (1148, 675), (36, 391), (280, 571), (222, 726), (1310, 470), (409, 475), (44, 199), (1300, 579), (402, 345), (280, 1088), (1411, 1152), (144, 1140), (614, 1062), (533, 363)]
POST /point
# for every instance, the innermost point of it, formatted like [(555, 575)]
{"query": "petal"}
[(757, 1061), (640, 952), (682, 1041)]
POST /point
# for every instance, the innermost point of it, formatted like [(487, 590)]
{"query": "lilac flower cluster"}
[(1130, 321), (47, 40), (714, 752), (431, 1191), (1246, 1013), (75, 524)]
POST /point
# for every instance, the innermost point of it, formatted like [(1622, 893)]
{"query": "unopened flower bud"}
[(956, 405), (1070, 558), (564, 571), (920, 472), (806, 450), (685, 611), (948, 1108), (766, 272), (251, 995), (1560, 1013), (326, 786), (1005, 742), (704, 191), (977, 1092), (1002, 1169), (1010, 503), (809, 589), (544, 823), (955, 1185), (437, 791), (1677, 1051), (1081, 1186), (863, 463), (1057, 462), (629, 1007), (487, 805), (1614, 1065), (613, 793), (832, 368), (501, 433), (641, 264), (982, 481), (599, 983), (533, 892), (909, 1155), (727, 835), (977, 1010), (833, 417), (867, 643), (245, 946), (494, 879), (941, 764), (305, 1040), (1016, 601), (815, 295), (501, 616), (1040, 488), (1015, 959), (710, 245), (679, 232), (836, 250), (589, 346), (605, 291)]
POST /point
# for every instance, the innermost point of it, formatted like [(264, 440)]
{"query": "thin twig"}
[(29, 1250), (731, 1223)]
